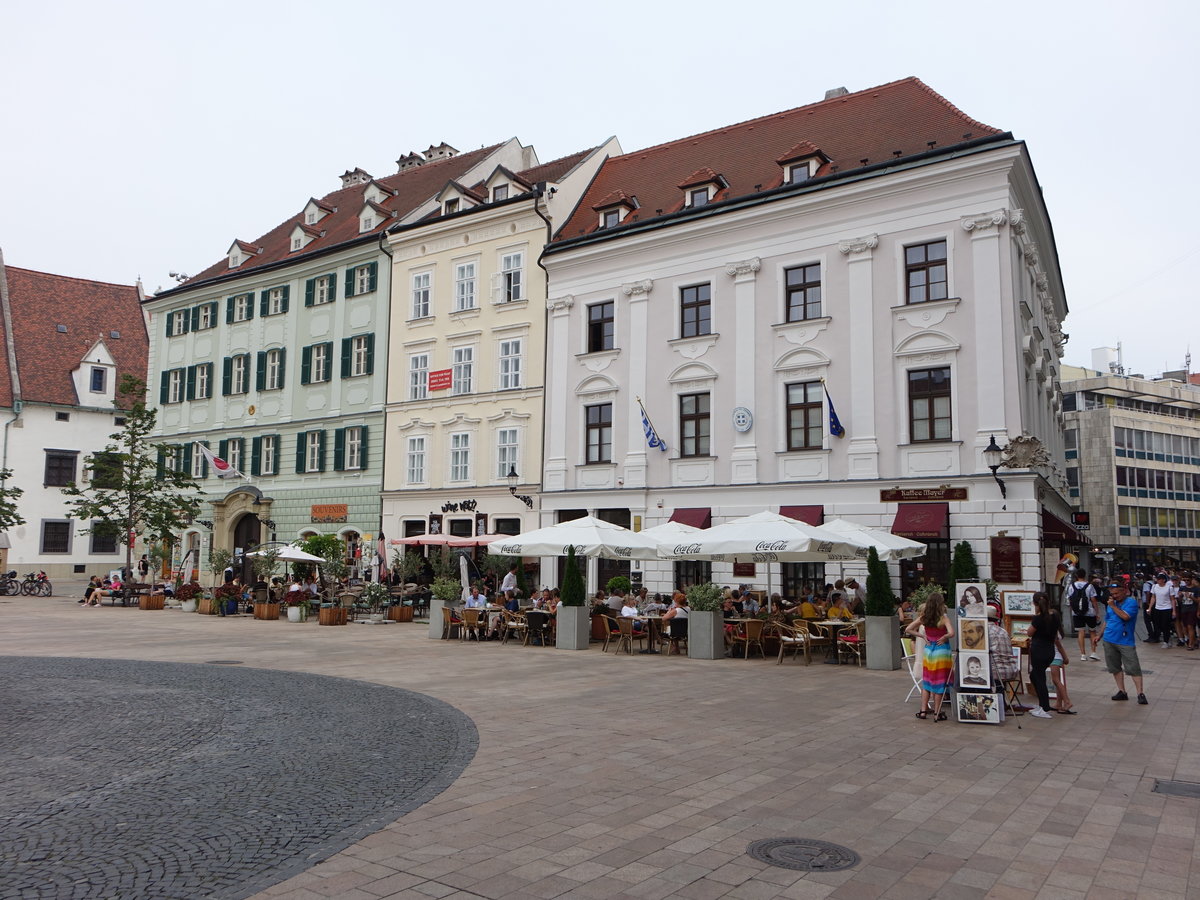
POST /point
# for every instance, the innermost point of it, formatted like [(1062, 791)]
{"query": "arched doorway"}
[(246, 535)]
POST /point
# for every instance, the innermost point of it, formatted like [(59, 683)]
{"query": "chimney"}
[(441, 151), (355, 176), (833, 93), (409, 161)]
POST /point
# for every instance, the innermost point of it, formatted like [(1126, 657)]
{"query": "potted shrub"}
[(227, 597), (618, 583), (297, 605), (574, 619), (189, 596), (375, 598), (883, 626), (706, 628), (446, 593)]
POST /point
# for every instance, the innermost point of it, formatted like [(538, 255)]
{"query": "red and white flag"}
[(219, 466)]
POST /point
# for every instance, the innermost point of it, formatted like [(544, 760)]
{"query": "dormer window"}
[(611, 218), (614, 207), (310, 219), (500, 192), (798, 173), (297, 243), (698, 196), (368, 222), (235, 259), (450, 206), (801, 162)]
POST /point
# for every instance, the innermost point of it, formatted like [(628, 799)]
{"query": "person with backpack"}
[(1084, 613)]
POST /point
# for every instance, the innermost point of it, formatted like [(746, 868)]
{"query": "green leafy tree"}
[(9, 517), (135, 490), (218, 561), (410, 564), (880, 599), (442, 565), (963, 566), (265, 564), (618, 583), (573, 590), (331, 549)]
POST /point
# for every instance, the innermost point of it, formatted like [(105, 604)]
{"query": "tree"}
[(880, 599), (218, 561), (136, 487), (9, 517), (331, 549), (572, 586), (963, 567)]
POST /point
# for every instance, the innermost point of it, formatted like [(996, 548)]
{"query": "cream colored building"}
[(466, 351)]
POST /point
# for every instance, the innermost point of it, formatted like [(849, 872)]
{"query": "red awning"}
[(809, 515), (697, 517), (922, 520), (1056, 531)]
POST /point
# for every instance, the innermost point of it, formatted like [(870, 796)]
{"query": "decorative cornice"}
[(560, 304), (1031, 253), (1016, 221), (743, 267), (984, 221), (638, 289), (859, 244)]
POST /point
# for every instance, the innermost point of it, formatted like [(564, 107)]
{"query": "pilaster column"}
[(987, 304), (638, 293), (862, 452), (557, 392), (743, 459)]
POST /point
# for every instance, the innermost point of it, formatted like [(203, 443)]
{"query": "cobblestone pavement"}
[(610, 777), (163, 780)]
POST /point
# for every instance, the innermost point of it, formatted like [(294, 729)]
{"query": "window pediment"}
[(596, 384), (802, 358), (926, 342)]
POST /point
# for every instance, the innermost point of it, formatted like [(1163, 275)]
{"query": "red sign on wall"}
[(439, 380)]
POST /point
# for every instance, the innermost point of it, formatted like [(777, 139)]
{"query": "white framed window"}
[(202, 388), (416, 460), (320, 370), (175, 386), (422, 285), (418, 376), (360, 349), (464, 286), (297, 243), (510, 364), (353, 458), (310, 219), (450, 206), (275, 301), (205, 318), (362, 279), (500, 192), (233, 453), (197, 463), (463, 370), (269, 455), (243, 307), (610, 218), (512, 276), (312, 451), (698, 196), (240, 374), (460, 456), (506, 452), (273, 380), (182, 320), (798, 173), (323, 290), (368, 222)]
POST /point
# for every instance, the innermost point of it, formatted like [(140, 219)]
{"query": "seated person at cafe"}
[(750, 605), (630, 611), (511, 603), (678, 610), (476, 600), (837, 608), (615, 601), (736, 596), (551, 601), (810, 609), (655, 605)]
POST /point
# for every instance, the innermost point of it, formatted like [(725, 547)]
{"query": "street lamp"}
[(513, 478), (993, 458)]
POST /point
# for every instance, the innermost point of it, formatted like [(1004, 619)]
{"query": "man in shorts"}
[(1120, 645), (1084, 607)]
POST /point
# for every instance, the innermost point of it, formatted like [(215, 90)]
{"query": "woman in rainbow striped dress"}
[(939, 658)]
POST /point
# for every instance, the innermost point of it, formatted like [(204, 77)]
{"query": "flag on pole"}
[(835, 425), (652, 437), (219, 466)]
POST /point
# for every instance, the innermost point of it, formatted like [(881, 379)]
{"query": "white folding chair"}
[(912, 659)]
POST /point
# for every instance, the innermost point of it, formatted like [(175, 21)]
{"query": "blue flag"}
[(835, 424), (652, 437)]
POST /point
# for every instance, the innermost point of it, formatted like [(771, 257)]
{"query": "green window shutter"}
[(186, 319), (282, 366), (262, 303), (209, 366), (164, 388), (170, 323), (255, 456), (191, 383), (287, 291), (329, 360), (310, 290), (250, 307), (260, 375), (339, 449), (362, 447), (187, 458), (223, 448), (226, 376), (229, 310), (203, 462), (350, 282), (346, 350), (216, 308), (373, 277), (161, 466), (301, 442), (320, 451), (195, 318), (332, 286), (306, 365), (371, 353)]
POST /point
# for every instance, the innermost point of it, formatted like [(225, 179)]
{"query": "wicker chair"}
[(450, 624), (514, 624), (612, 631), (473, 623), (853, 642), (627, 635), (795, 638), (537, 626), (750, 634)]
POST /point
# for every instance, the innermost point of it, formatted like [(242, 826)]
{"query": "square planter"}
[(706, 635), (332, 615), (435, 619), (208, 606), (152, 601), (400, 613), (266, 610), (574, 628), (883, 643)]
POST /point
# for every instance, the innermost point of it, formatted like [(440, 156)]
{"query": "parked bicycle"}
[(9, 584), (37, 584)]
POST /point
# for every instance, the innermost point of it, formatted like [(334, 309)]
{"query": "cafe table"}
[(835, 626), (653, 630)]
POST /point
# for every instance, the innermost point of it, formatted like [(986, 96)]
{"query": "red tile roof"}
[(90, 310), (411, 188), (802, 150), (556, 168), (703, 175), (869, 125)]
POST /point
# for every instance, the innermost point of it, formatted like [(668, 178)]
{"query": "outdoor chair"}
[(912, 660), (853, 642), (537, 627), (676, 633), (473, 622), (750, 635), (612, 631), (450, 624), (794, 638), (627, 635), (514, 624)]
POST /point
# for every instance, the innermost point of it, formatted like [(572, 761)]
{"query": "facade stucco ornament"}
[(804, 333), (1031, 253), (743, 267), (560, 304), (1026, 452), (1016, 220), (638, 290), (985, 220), (1042, 282), (859, 244)]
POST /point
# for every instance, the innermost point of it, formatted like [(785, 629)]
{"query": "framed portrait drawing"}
[(972, 636), (971, 599), (1018, 603), (984, 709), (974, 671)]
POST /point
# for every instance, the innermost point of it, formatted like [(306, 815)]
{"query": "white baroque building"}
[(881, 245)]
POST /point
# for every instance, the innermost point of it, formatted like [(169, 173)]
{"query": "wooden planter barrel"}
[(266, 610), (332, 615), (152, 601), (208, 606), (400, 613)]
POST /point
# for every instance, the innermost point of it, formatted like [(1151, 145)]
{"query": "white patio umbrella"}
[(889, 546), (290, 554), (589, 536), (766, 537), (670, 531)]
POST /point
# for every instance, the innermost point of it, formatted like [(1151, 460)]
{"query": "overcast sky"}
[(142, 138)]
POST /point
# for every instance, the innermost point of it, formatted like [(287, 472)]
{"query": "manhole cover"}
[(224, 662), (803, 854), (1177, 788)]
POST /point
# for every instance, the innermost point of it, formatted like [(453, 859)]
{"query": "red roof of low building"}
[(853, 130), (90, 310)]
